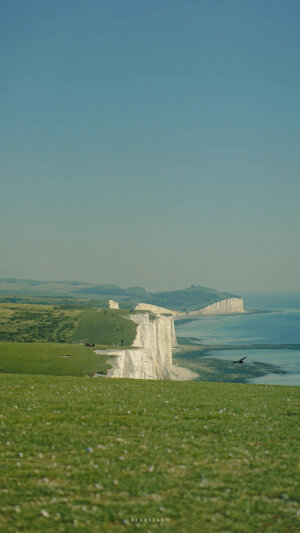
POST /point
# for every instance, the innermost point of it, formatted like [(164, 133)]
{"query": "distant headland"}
[(189, 301)]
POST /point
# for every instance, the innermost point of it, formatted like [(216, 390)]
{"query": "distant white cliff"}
[(151, 354), (224, 307), (113, 305)]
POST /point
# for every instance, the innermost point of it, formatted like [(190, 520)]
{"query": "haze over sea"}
[(281, 326)]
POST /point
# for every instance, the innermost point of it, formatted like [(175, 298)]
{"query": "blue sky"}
[(152, 143)]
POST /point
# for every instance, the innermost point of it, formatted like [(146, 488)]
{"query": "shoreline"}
[(186, 346), (205, 361)]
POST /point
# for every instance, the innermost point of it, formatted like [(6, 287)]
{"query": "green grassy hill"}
[(189, 299), (96, 455)]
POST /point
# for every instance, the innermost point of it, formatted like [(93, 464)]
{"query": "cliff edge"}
[(155, 309)]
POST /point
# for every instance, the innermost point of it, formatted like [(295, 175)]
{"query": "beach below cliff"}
[(183, 374)]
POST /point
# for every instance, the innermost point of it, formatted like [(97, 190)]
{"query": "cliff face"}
[(151, 354), (224, 307)]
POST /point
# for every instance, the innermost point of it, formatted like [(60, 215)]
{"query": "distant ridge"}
[(185, 300)]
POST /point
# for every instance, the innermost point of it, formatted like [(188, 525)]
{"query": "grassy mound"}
[(99, 455), (50, 359), (105, 327)]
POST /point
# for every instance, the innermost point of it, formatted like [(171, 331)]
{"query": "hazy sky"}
[(151, 142)]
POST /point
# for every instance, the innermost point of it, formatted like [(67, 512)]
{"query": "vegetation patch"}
[(36, 323), (65, 323), (97, 455)]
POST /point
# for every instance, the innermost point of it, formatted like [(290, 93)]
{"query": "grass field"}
[(50, 359), (96, 455)]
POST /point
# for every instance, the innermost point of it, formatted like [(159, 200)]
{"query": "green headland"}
[(189, 299)]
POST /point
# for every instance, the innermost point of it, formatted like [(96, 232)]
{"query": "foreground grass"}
[(50, 359), (91, 455)]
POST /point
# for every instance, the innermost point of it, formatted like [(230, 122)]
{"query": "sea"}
[(280, 324)]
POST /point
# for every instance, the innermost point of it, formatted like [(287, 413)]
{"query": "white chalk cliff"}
[(151, 354), (223, 307), (113, 305)]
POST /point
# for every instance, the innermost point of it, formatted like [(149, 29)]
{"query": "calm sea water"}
[(281, 326)]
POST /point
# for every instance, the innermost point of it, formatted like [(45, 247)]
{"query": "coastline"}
[(267, 338), (180, 319)]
